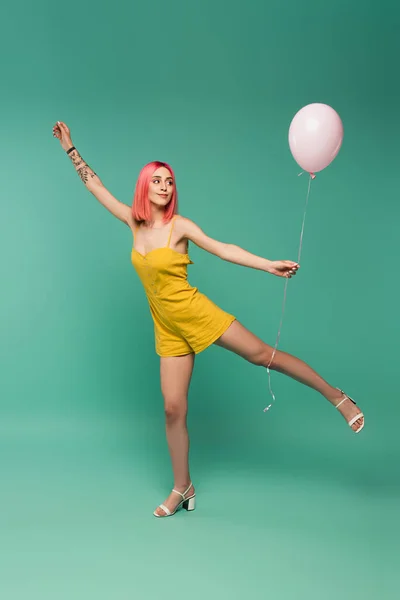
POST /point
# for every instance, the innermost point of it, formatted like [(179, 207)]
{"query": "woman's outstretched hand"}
[(63, 133), (283, 268)]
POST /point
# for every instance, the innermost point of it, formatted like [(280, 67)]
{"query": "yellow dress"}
[(185, 320)]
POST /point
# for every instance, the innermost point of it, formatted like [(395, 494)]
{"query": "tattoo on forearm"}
[(86, 173), (82, 168), (75, 157)]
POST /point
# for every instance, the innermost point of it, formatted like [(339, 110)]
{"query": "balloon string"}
[(312, 176)]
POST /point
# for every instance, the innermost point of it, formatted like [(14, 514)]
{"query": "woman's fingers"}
[(60, 128), (63, 127), (291, 273)]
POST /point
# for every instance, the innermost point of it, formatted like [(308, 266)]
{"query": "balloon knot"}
[(312, 175)]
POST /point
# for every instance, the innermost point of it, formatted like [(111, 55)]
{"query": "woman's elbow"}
[(225, 251)]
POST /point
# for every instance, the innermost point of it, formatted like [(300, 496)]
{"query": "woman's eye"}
[(159, 181)]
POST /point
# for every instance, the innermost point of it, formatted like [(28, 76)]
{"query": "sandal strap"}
[(345, 397), (354, 419), (184, 493), (341, 402), (165, 509)]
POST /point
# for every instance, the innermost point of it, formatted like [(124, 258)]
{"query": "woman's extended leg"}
[(240, 340), (176, 373)]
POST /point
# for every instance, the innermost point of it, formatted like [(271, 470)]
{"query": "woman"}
[(185, 321)]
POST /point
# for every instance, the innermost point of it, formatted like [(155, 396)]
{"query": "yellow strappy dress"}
[(185, 320)]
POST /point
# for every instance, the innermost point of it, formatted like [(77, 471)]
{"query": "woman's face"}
[(161, 187)]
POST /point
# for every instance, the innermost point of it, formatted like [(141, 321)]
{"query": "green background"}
[(291, 504)]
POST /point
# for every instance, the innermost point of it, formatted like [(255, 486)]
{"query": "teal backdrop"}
[(291, 504)]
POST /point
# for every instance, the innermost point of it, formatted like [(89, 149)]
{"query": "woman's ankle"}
[(181, 487), (334, 396)]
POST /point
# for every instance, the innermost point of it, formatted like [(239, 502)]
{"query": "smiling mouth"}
[(163, 195)]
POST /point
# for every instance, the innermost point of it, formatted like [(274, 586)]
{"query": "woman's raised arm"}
[(88, 176)]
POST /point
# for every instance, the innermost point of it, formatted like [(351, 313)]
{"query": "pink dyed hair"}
[(141, 210)]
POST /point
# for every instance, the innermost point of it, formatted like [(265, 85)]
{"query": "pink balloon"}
[(315, 137)]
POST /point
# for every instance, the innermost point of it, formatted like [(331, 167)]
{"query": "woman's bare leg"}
[(176, 373), (240, 340)]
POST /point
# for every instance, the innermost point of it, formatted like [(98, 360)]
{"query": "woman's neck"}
[(157, 219)]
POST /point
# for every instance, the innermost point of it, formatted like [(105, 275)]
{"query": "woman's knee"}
[(175, 408)]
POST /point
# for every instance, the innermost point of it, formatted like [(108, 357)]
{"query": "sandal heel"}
[(190, 504)]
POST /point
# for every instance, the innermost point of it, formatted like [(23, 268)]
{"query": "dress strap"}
[(170, 231)]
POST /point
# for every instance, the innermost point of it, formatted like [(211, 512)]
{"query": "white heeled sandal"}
[(187, 503), (354, 419)]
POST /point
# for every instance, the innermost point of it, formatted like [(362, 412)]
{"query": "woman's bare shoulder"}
[(183, 222)]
